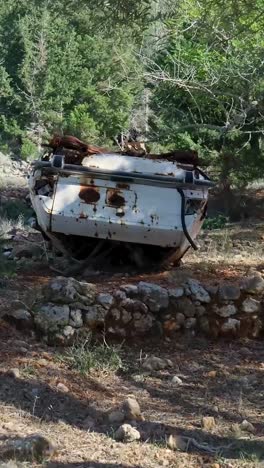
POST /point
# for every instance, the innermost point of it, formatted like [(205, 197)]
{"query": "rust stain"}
[(114, 198), (89, 194), (123, 186), (83, 216)]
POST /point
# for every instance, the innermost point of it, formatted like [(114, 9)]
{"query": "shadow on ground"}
[(47, 404)]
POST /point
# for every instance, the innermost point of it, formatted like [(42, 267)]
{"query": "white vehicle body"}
[(121, 198)]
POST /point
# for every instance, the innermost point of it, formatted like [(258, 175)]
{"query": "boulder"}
[(154, 363)]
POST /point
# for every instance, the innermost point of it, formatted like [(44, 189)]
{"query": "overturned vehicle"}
[(118, 208)]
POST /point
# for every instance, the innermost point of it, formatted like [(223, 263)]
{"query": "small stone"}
[(131, 410), (68, 331), (76, 318), (154, 363), (95, 315), (200, 311), (208, 423), (231, 326), (176, 380), (175, 293), (106, 300), (116, 417), (198, 291), (204, 324), (247, 426), (226, 311), (180, 318), (14, 373), (190, 322), (119, 295), (253, 284), (127, 433), (228, 292), (176, 442), (154, 296), (211, 374), (186, 307), (250, 305), (131, 290), (62, 388)]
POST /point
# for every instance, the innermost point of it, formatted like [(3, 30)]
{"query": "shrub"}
[(28, 149), (218, 222)]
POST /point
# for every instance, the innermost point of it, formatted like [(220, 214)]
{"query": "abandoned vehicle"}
[(118, 208)]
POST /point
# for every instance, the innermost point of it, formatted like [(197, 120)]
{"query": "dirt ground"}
[(219, 378)]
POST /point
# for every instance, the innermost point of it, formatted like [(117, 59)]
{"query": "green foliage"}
[(218, 222), (84, 67), (14, 210), (87, 356), (28, 149)]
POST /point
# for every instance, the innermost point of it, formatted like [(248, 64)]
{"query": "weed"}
[(87, 356)]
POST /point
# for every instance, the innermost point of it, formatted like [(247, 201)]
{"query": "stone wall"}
[(66, 308)]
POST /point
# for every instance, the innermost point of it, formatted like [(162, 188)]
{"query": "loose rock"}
[(131, 410), (154, 363), (176, 380), (62, 388), (127, 433), (32, 448), (247, 426), (208, 423)]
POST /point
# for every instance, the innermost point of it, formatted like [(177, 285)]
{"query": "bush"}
[(28, 149), (218, 222), (15, 210)]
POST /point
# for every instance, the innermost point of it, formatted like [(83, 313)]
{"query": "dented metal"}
[(132, 200)]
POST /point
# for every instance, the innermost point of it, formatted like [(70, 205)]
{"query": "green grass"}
[(86, 356)]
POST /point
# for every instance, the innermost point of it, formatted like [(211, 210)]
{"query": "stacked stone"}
[(67, 307)]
